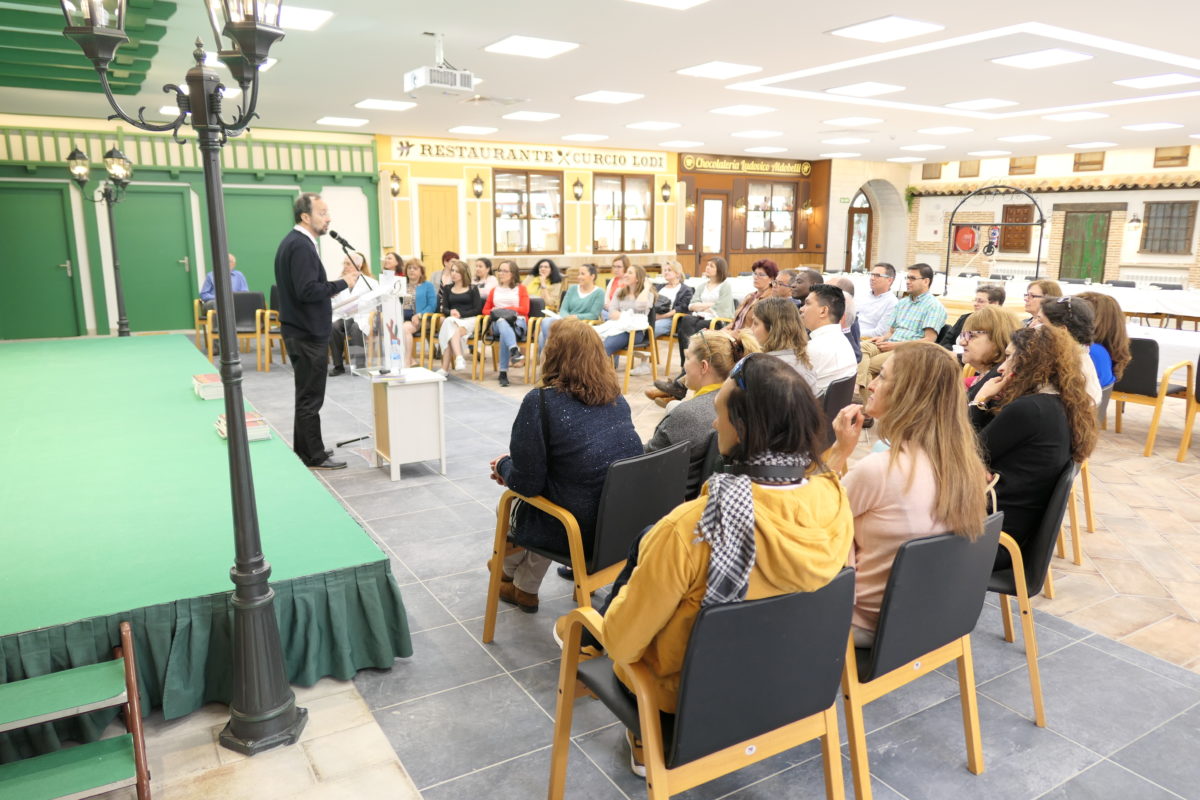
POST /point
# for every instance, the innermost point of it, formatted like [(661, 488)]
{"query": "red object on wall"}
[(966, 240)]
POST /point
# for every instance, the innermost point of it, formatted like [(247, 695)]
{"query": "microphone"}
[(334, 235)]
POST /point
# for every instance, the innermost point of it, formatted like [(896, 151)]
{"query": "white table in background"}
[(409, 422), (1173, 346)]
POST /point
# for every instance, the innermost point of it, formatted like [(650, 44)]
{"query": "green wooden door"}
[(257, 220), (154, 238), (1085, 240), (41, 284)]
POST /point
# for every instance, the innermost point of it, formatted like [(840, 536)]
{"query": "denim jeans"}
[(544, 332), (507, 337), (619, 342), (662, 327)]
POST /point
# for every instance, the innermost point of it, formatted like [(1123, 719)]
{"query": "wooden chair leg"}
[(1006, 617), (496, 568), (1120, 406), (1153, 434), (1060, 547), (1189, 421), (564, 710), (831, 756), (856, 730), (1031, 654), (1048, 588), (1086, 479), (970, 707)]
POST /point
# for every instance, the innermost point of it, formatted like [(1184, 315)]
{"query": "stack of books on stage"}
[(208, 386), (256, 426)]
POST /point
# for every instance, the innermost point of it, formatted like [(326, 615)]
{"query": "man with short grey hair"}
[(875, 310)]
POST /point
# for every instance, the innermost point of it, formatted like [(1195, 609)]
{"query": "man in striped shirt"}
[(918, 315)]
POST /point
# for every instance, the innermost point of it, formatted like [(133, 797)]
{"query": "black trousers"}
[(341, 329), (309, 361), (686, 328), (631, 561)]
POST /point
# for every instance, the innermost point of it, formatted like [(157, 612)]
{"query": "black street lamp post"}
[(112, 191), (263, 712)]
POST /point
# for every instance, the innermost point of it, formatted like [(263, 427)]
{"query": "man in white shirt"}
[(831, 356), (875, 310)]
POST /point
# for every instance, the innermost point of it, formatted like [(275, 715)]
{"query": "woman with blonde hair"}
[(673, 298), (564, 437), (930, 480), (984, 339), (1033, 420), (776, 324), (461, 305), (628, 310)]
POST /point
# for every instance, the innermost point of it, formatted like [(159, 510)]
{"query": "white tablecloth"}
[(1173, 346), (1176, 302)]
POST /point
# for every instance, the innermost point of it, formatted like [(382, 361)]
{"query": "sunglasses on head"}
[(737, 374)]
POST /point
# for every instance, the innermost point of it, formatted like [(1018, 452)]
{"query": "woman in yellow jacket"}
[(777, 519)]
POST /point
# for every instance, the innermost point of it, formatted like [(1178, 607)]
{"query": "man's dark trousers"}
[(309, 361)]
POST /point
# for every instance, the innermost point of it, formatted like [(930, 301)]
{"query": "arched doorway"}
[(858, 233)]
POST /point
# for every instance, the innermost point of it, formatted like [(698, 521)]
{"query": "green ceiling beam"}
[(68, 86), (31, 20), (115, 76), (54, 41), (9, 55)]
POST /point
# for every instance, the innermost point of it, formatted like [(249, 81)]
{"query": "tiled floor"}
[(469, 720)]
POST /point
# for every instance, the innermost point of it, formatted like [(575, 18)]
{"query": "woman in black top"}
[(461, 304), (1033, 420)]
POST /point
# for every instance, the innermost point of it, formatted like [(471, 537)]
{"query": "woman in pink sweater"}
[(930, 480)]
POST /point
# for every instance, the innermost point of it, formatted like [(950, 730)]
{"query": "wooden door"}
[(155, 248), (438, 210), (858, 240), (1085, 241), (41, 274), (256, 221), (712, 225)]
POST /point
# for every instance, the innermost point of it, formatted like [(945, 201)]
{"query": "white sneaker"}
[(440, 371), (641, 369), (460, 363)]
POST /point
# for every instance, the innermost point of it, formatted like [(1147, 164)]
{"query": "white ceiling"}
[(625, 46)]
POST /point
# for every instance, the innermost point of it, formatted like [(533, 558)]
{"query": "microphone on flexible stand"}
[(347, 248)]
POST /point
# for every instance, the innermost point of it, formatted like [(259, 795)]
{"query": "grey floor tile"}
[(527, 777), (442, 658), (522, 639), (403, 500), (924, 756), (422, 609), (465, 594), (1146, 661), (1056, 624), (922, 693), (367, 479), (993, 657), (808, 780), (1107, 781), (438, 523), (607, 747), (452, 733), (1094, 698), (448, 556), (1168, 755), (541, 681), (482, 489), (402, 573)]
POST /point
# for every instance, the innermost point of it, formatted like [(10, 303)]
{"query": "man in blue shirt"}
[(918, 315), (208, 293)]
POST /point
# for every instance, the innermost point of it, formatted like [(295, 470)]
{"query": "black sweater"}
[(304, 290), (468, 303)]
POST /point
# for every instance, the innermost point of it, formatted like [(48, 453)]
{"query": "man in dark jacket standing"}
[(306, 318)]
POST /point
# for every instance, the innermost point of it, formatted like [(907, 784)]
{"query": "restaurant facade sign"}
[(526, 156), (690, 162)]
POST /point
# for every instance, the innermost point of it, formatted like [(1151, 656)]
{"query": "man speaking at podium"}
[(305, 315)]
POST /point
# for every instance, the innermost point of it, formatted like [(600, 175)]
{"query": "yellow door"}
[(439, 223)]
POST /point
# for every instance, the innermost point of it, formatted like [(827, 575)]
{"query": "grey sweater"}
[(690, 421)]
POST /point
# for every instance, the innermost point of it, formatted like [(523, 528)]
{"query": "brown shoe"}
[(654, 394), (525, 601), (671, 388)]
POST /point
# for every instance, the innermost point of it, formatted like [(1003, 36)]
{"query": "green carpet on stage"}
[(115, 490)]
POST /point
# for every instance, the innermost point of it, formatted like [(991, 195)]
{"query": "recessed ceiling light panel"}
[(887, 29), (1075, 116), (384, 105), (766, 150), (1158, 81), (945, 130), (473, 130), (605, 96), (851, 122), (531, 47), (718, 70), (531, 116), (674, 5), (680, 143), (344, 122), (652, 125), (584, 137), (294, 18), (1023, 137), (982, 104), (840, 155), (1039, 59), (742, 110), (1092, 145), (845, 140), (1152, 126), (865, 89), (906, 159), (921, 148), (757, 134)]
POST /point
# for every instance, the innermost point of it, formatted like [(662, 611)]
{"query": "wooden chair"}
[(1144, 385), (934, 594), (200, 317), (89, 769), (618, 523), (427, 336), (744, 694), (268, 331), (1030, 570), (649, 347), (527, 345), (838, 395), (246, 306), (1193, 406)]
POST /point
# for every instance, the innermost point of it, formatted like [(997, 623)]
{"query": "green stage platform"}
[(116, 505)]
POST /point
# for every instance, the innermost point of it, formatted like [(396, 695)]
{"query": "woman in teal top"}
[(584, 300)]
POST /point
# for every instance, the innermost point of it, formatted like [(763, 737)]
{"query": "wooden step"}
[(62, 694), (73, 772)]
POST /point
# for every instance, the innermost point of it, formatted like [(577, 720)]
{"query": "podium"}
[(409, 421)]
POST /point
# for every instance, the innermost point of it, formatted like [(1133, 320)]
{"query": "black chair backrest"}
[(1124, 284), (934, 595), (1141, 374), (1037, 551), (244, 306), (658, 480), (1004, 277), (274, 297), (754, 666), (968, 274), (536, 306), (1178, 286), (839, 395), (1072, 280), (712, 458)]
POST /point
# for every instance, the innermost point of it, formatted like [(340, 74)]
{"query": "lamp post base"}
[(240, 733)]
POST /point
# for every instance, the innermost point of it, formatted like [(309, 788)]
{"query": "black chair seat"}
[(598, 676), (1002, 582)]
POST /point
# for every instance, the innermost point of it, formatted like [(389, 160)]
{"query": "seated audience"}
[(1033, 420), (583, 301), (461, 306), (1036, 292), (1109, 333), (875, 310), (351, 327), (1077, 317), (776, 324), (775, 522), (392, 265), (710, 357), (849, 322), (441, 277), (712, 300), (673, 298), (930, 480), (984, 340), (829, 352), (237, 282), (989, 294), (765, 271), (545, 281), (628, 310), (918, 315), (620, 265), (507, 308), (484, 280), (564, 438), (421, 298)]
